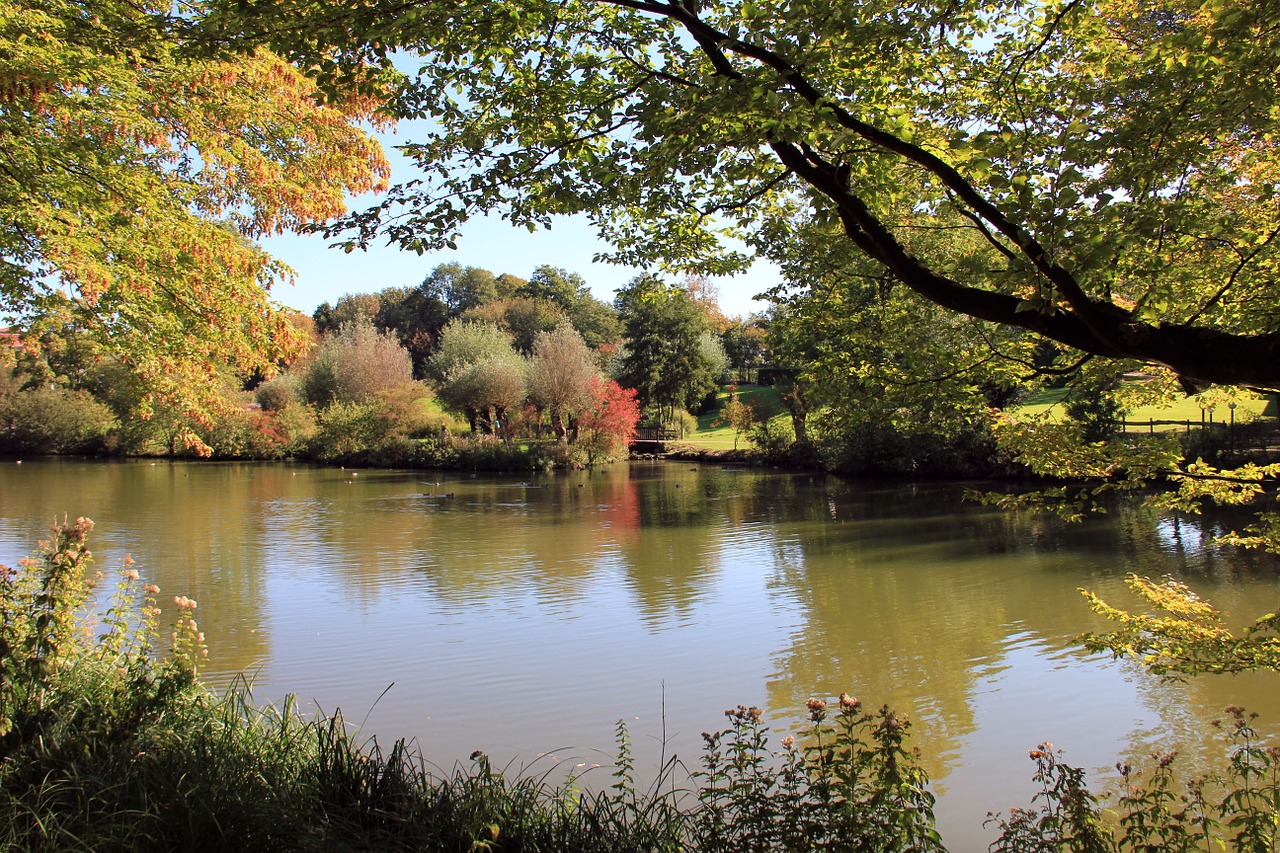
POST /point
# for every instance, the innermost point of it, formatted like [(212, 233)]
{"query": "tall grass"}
[(108, 741)]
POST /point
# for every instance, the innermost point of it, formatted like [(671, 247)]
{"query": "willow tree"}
[(135, 177)]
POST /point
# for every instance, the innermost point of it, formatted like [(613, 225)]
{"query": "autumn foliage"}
[(137, 177), (607, 425)]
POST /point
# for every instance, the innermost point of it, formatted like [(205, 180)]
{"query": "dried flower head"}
[(788, 743), (849, 704)]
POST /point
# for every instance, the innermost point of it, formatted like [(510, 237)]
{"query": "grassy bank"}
[(1186, 409), (108, 741)]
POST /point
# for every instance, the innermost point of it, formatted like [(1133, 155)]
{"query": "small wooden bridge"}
[(650, 439)]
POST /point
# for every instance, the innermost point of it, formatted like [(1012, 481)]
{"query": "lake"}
[(525, 616)]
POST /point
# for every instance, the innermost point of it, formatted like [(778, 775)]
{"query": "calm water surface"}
[(526, 618)]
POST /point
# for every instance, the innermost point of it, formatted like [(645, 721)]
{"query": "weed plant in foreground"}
[(108, 741)]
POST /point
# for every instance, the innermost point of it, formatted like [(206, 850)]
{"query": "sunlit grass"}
[(713, 436), (1184, 409)]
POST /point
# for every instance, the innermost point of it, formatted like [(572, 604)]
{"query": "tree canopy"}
[(135, 176), (1117, 159), (670, 356)]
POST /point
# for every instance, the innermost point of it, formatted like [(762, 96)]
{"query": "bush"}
[(774, 438), (1095, 407), (275, 394), (379, 431), (488, 453), (354, 365), (50, 419), (345, 431), (956, 449)]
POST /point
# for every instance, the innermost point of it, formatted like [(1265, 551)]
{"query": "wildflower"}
[(130, 574), (788, 743), (151, 589), (849, 704), (743, 714), (817, 709)]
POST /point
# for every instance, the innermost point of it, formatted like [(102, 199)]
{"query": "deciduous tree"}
[(1117, 159), (478, 371), (355, 364), (664, 360), (608, 423), (521, 317), (135, 176), (460, 287), (560, 375)]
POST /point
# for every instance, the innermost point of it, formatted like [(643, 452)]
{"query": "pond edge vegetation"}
[(109, 741)]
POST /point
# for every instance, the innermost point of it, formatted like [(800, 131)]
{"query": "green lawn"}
[(721, 437), (1183, 409)]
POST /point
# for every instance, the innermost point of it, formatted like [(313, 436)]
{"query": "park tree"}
[(668, 357), (746, 341), (521, 317), (350, 309), (478, 372), (608, 422), (137, 174), (416, 316), (508, 285), (355, 364), (460, 287), (560, 375), (595, 321), (555, 285), (738, 414), (893, 382), (705, 293)]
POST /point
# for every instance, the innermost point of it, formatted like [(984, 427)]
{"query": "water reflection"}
[(520, 615)]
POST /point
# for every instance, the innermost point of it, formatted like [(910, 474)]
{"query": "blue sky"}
[(324, 274)]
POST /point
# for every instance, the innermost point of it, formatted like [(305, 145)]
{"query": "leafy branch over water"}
[(1188, 639)]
